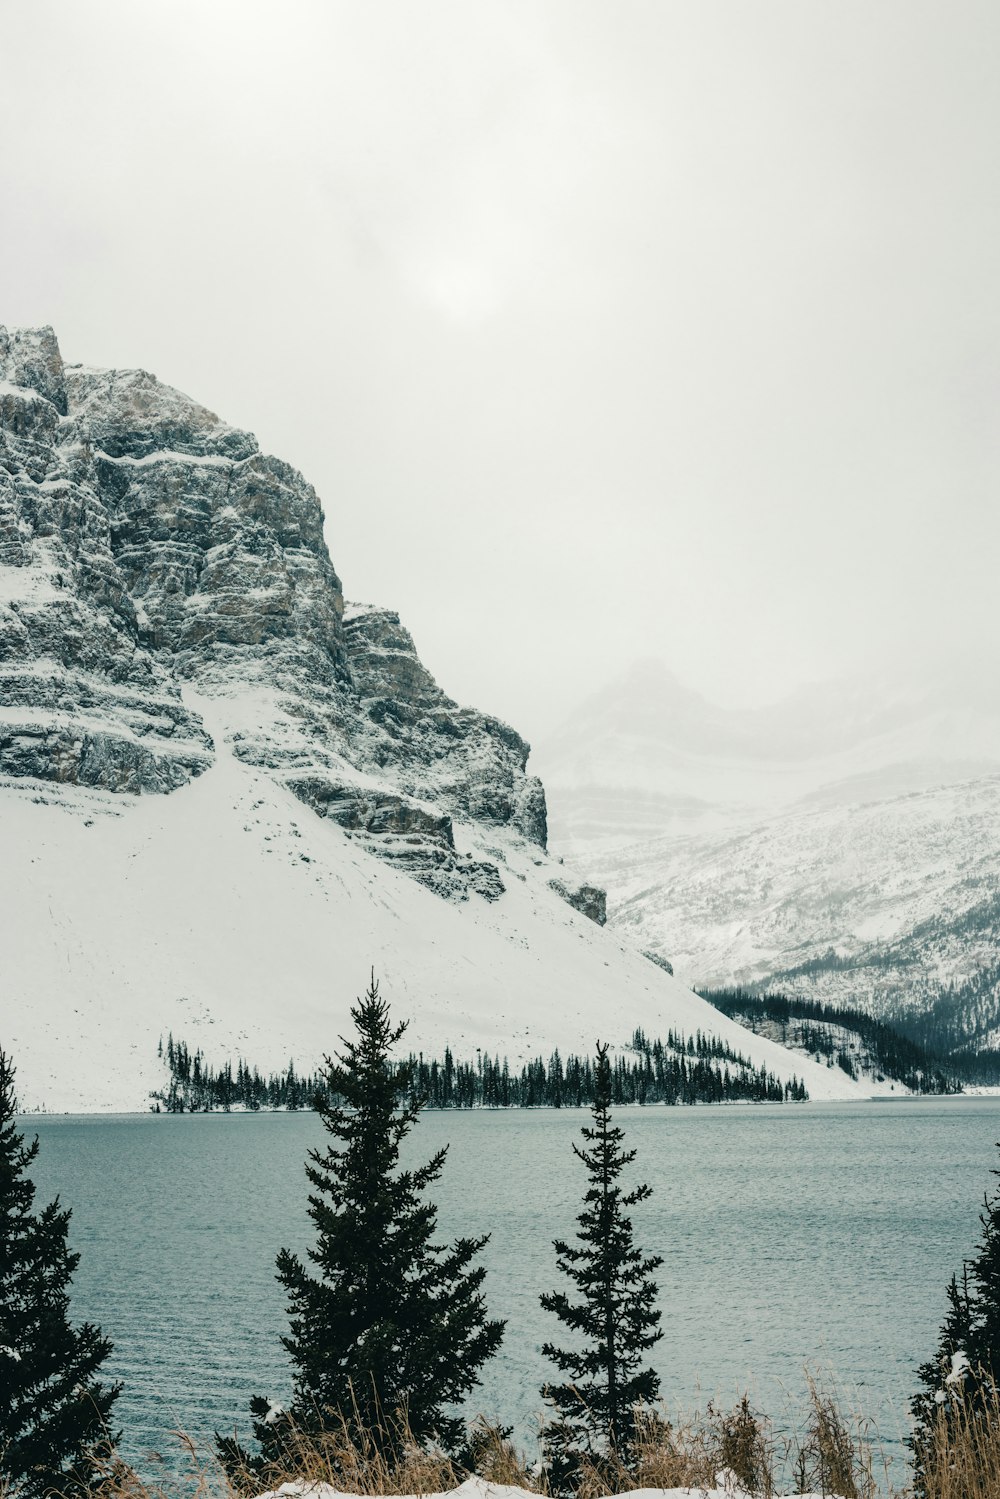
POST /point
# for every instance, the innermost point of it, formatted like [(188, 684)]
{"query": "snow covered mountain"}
[(225, 794), (843, 844)]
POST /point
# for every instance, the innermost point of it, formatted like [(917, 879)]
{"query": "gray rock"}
[(589, 900), (659, 960), (30, 358)]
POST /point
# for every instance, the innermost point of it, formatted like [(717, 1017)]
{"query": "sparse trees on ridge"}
[(605, 1386), (393, 1328), (54, 1410)]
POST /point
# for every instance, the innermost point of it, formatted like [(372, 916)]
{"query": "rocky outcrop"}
[(30, 360), (415, 838), (589, 900), (660, 961), (148, 548), (470, 763)]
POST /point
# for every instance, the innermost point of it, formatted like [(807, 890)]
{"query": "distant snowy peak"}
[(149, 554), (844, 843), (647, 756)]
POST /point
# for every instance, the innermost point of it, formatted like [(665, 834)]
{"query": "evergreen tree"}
[(961, 1381), (54, 1412), (943, 1377), (614, 1317), (393, 1328)]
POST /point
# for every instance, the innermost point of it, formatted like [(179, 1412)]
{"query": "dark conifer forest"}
[(844, 1036), (679, 1070), (961, 1025)]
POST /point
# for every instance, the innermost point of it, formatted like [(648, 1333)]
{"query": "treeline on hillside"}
[(892, 1054), (195, 1087), (680, 1070), (957, 1021), (832, 961), (980, 920)]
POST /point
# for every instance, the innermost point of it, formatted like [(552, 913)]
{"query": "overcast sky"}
[(604, 331)]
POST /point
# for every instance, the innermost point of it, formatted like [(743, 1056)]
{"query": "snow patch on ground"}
[(479, 1488)]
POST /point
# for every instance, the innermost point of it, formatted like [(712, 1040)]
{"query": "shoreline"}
[(826, 1104)]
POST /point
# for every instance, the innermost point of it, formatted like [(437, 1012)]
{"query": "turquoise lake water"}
[(792, 1235)]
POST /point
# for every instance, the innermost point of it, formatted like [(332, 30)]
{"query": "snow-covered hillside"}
[(225, 795), (233, 916), (845, 844), (880, 903)]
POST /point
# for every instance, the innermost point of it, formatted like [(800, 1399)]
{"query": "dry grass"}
[(330, 1458), (666, 1456), (495, 1458), (745, 1446), (355, 1463), (960, 1456), (837, 1453), (687, 1452), (671, 1454), (114, 1479), (833, 1454)]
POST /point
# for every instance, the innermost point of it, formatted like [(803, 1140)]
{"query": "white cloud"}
[(602, 331)]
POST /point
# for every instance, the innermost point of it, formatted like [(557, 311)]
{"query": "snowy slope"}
[(862, 880), (233, 916)]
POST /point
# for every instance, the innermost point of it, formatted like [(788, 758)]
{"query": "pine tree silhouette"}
[(615, 1316), (959, 1383), (54, 1412), (394, 1327)]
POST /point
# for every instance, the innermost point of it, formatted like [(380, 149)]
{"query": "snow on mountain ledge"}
[(171, 623)]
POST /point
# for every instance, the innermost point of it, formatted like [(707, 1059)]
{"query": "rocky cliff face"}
[(157, 569), (81, 698)]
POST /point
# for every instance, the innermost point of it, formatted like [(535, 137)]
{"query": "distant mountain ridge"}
[(844, 843), (225, 794)]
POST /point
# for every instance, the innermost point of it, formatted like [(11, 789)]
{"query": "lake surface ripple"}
[(819, 1235)]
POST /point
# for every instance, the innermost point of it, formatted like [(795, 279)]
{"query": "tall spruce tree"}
[(393, 1329), (615, 1317), (54, 1411), (958, 1384)]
